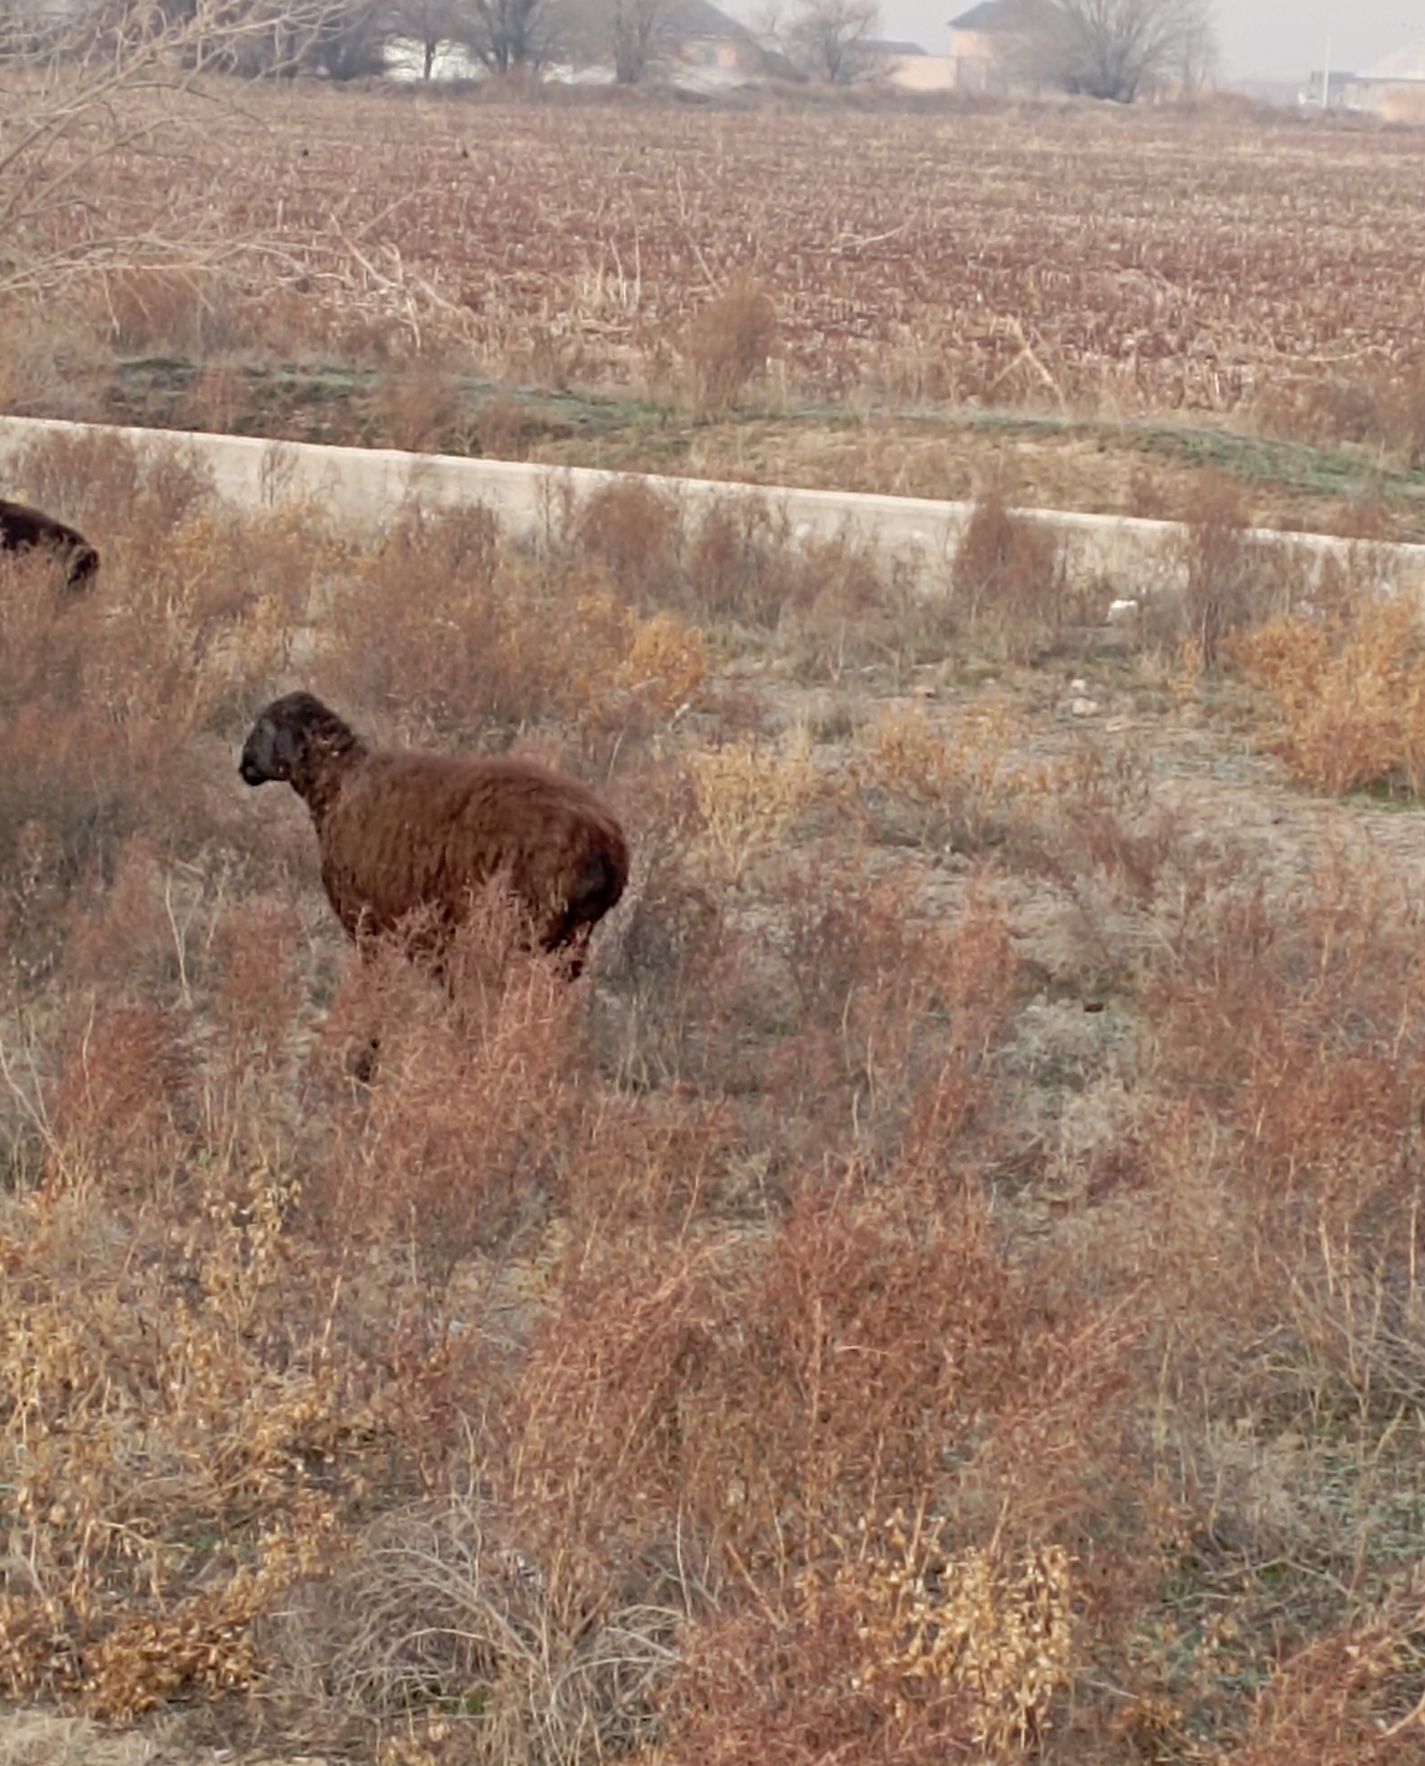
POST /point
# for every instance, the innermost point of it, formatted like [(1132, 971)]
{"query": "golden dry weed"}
[(934, 1624), (748, 797), (953, 781), (1349, 694)]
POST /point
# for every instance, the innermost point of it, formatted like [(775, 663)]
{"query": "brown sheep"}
[(23, 529), (401, 832)]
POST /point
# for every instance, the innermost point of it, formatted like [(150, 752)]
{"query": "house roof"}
[(1401, 64), (989, 15), (701, 21), (700, 18), (884, 46)]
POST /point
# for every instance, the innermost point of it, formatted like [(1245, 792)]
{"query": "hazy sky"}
[(1282, 38)]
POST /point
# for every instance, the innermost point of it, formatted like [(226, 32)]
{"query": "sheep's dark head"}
[(293, 741)]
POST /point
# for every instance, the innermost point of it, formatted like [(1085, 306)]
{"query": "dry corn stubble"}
[(868, 289)]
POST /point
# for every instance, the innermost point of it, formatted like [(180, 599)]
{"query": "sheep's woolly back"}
[(420, 830)]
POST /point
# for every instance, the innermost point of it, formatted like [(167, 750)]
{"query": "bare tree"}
[(1111, 48), (827, 38), (637, 29), (630, 34), (429, 23), (507, 34), (1198, 58), (350, 42)]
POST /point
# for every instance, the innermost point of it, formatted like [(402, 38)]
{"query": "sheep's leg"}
[(362, 1064), (570, 943)]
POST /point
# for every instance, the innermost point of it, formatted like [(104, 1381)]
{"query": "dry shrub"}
[(1324, 985), (213, 628), (1230, 582), (1354, 1695), (464, 1647), (1009, 582), (121, 1089), (1090, 825), (127, 939), (186, 1413), (728, 344), (670, 1405), (419, 406), (923, 1652), (170, 1463), (736, 567), (1349, 693), (667, 948), (796, 1455), (949, 788), (635, 531), (255, 990), (103, 698), (189, 617), (42, 653), (897, 1022), (416, 1162), (53, 363), (740, 557), (832, 600), (505, 430), (445, 635), (67, 802), (102, 483), (1291, 1024), (999, 1636)]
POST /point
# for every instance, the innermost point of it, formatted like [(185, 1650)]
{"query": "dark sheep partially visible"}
[(23, 529), (402, 831)]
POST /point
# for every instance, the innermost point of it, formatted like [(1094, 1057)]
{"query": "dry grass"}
[(947, 1288)]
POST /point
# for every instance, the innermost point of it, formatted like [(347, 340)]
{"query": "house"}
[(703, 35), (907, 66), (1337, 87), (881, 49), (980, 40), (1394, 87)]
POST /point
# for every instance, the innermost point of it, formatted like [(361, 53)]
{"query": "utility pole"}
[(1326, 77)]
